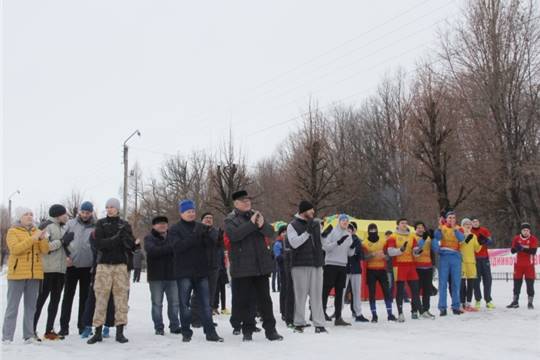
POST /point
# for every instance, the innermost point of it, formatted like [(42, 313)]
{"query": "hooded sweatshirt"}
[(337, 254), (77, 241)]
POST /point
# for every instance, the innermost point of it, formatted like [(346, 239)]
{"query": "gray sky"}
[(79, 76)]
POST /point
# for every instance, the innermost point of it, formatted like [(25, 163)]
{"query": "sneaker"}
[(513, 305), (257, 329), (530, 306), (490, 305), (290, 325), (414, 316), (160, 332), (214, 338), (87, 331), (391, 317), (186, 338), (427, 315), (215, 312), (236, 332), (106, 332), (225, 312), (247, 337), (274, 336), (341, 322), (444, 312), (401, 318), (374, 318), (63, 332), (327, 318), (34, 340), (457, 311), (299, 329), (320, 330), (176, 331), (469, 308), (361, 318), (51, 335), (478, 304)]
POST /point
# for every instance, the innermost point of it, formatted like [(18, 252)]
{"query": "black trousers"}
[(220, 294), (467, 288), (52, 285), (400, 295), (136, 275), (287, 294), (90, 306), (425, 283), (74, 276), (381, 277), (245, 310), (334, 277), (519, 282)]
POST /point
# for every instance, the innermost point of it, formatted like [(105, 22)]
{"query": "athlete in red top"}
[(483, 267), (525, 246)]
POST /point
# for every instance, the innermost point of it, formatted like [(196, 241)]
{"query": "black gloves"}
[(425, 235), (356, 242), (482, 239), (469, 238), (404, 246), (343, 238), (327, 231)]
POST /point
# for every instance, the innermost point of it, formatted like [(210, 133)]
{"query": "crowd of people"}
[(190, 262)]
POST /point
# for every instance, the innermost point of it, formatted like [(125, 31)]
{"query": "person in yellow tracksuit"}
[(468, 249), (26, 245)]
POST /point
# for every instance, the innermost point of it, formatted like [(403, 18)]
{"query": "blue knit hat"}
[(186, 205), (87, 206)]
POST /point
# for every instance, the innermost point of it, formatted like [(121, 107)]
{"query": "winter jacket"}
[(55, 260), (354, 264), (250, 253), (305, 240), (137, 258), (76, 242), (159, 257), (469, 249), (25, 254), (338, 254), (216, 237), (114, 241), (190, 241)]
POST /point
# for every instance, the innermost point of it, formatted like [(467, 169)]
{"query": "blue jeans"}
[(449, 270), (202, 295), (169, 288)]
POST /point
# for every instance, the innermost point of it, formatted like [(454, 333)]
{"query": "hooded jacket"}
[(55, 260), (337, 254), (25, 254), (76, 241)]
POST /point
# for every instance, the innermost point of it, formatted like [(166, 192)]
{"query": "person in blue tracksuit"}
[(446, 241)]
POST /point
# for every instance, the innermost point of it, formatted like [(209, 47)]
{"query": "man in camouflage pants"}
[(115, 244)]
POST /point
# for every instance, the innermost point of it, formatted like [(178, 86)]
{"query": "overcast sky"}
[(79, 76)]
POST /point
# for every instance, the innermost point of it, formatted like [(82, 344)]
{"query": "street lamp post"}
[(9, 204), (136, 132)]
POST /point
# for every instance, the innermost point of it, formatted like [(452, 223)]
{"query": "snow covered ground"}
[(496, 334)]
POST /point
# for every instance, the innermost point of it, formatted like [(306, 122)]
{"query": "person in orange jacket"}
[(26, 245)]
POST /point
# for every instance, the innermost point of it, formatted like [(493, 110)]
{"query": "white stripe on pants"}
[(308, 280), (356, 287)]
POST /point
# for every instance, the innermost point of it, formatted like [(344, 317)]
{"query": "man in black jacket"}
[(160, 275), (115, 245), (190, 241), (250, 264), (304, 237)]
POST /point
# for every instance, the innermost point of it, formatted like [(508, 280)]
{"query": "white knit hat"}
[(466, 221), (20, 211)]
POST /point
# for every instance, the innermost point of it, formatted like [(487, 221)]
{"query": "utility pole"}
[(124, 210), (9, 204)]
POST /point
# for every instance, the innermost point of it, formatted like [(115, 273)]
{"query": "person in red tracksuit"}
[(525, 246)]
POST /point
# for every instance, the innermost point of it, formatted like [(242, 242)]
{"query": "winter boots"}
[(98, 336)]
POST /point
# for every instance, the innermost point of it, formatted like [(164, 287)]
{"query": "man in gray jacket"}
[(54, 268), (76, 243), (304, 237), (338, 245)]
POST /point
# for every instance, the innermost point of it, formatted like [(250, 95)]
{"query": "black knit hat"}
[(525, 225), (57, 210), (160, 219), (240, 195), (304, 206), (353, 226), (206, 214), (282, 229), (372, 227)]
